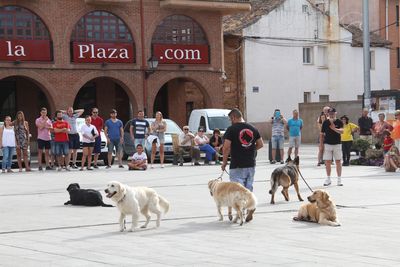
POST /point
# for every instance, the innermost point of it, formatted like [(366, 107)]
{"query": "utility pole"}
[(367, 57)]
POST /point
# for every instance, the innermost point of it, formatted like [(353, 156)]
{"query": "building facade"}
[(86, 53), (295, 52), (384, 20)]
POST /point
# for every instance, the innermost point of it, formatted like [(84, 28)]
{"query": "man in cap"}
[(331, 130)]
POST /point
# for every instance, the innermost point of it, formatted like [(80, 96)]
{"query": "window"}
[(397, 15), (398, 57), (179, 29), (323, 56), (307, 97), (372, 60), (101, 26), (307, 55), (323, 98), (305, 9), (19, 23), (256, 89)]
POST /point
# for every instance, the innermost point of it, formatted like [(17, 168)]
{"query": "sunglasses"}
[(186, 129)]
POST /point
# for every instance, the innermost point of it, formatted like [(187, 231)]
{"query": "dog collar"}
[(122, 199)]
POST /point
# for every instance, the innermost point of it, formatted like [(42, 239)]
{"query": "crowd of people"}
[(59, 139)]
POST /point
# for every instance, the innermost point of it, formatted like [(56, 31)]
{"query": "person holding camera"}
[(278, 134), (331, 131)]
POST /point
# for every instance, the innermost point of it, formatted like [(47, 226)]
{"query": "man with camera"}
[(278, 134), (331, 131)]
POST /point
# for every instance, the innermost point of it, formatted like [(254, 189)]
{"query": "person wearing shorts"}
[(331, 131), (70, 116), (114, 131), (61, 145), (44, 125), (89, 134), (294, 126)]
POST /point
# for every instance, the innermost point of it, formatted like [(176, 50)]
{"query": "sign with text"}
[(25, 50), (103, 52), (181, 54)]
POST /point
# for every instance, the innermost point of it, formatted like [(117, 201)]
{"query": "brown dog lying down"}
[(321, 210), (233, 195)]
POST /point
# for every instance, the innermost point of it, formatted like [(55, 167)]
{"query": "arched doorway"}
[(21, 93), (177, 98), (105, 94)]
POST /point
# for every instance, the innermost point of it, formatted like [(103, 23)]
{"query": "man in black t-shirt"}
[(365, 123), (241, 141), (331, 130)]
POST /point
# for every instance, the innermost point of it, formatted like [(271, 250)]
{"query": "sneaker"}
[(68, 168), (40, 168), (339, 181), (327, 181), (9, 170), (89, 169), (197, 164), (59, 169), (151, 166), (162, 165), (282, 162), (74, 166), (48, 168), (3, 171), (95, 166), (121, 166), (273, 162), (108, 167), (181, 164), (81, 169), (319, 164)]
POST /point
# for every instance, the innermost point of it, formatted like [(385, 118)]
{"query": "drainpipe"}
[(143, 66), (387, 19), (367, 59)]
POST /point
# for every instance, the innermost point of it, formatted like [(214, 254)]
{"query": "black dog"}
[(84, 197)]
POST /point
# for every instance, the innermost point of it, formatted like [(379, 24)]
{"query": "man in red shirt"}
[(98, 122), (61, 129)]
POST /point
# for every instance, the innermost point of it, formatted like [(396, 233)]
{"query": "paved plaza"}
[(36, 229)]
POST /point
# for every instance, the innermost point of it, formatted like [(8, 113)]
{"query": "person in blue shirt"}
[(114, 131), (294, 126)]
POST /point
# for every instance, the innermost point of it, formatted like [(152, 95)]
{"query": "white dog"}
[(136, 200)]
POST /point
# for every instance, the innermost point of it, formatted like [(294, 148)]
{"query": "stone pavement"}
[(36, 229)]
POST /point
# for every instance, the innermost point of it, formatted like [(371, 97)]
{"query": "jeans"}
[(210, 152), (243, 176), (139, 141), (8, 153)]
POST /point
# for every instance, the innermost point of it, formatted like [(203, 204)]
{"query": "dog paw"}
[(272, 202), (230, 217), (300, 199), (241, 223), (143, 226)]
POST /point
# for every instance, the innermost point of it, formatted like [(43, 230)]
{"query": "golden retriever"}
[(136, 200), (321, 210), (231, 194)]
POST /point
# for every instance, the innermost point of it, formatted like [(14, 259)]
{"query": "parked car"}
[(209, 119), (104, 150), (172, 128), (14, 159)]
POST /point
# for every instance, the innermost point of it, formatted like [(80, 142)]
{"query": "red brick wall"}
[(61, 80)]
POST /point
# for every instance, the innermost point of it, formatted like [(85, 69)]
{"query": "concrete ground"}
[(36, 229)]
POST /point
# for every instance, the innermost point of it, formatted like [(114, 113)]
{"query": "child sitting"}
[(139, 159), (388, 142)]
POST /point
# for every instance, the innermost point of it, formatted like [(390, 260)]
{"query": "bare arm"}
[(131, 132), (259, 143), (79, 112), (226, 150)]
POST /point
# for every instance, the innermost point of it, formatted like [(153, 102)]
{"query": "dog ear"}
[(289, 159), (122, 188), (69, 187), (325, 196), (77, 185)]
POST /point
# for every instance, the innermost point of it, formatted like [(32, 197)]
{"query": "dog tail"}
[(163, 203), (274, 183)]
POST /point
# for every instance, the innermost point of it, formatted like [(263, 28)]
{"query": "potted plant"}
[(361, 145)]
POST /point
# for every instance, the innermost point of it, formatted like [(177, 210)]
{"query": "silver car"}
[(172, 128)]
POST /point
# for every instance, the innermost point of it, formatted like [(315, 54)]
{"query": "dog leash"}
[(304, 179), (222, 174)]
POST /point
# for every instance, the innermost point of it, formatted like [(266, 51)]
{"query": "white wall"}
[(279, 71)]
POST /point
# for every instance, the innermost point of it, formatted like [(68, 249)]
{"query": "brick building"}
[(88, 53)]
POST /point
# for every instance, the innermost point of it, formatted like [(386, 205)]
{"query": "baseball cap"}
[(332, 110)]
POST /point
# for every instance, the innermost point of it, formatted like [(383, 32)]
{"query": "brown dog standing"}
[(285, 176)]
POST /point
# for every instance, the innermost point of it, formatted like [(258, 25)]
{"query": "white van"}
[(209, 119)]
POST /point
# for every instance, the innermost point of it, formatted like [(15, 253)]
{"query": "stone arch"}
[(35, 78)]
